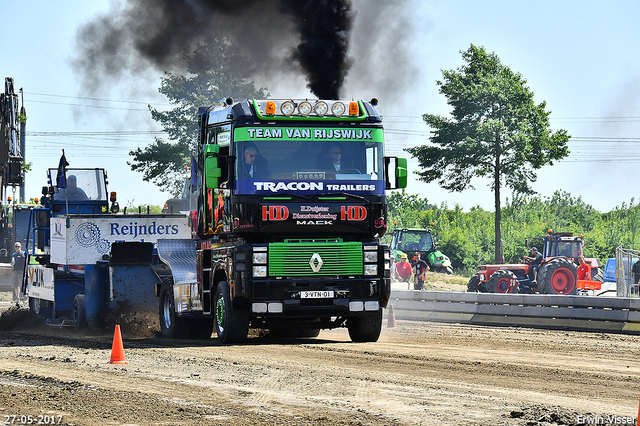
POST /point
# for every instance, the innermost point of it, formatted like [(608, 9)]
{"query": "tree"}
[(495, 131), (215, 70), (404, 209)]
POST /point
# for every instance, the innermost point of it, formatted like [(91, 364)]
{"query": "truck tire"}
[(500, 282), (171, 325), (558, 276), (366, 328), (232, 325), (473, 284), (80, 311)]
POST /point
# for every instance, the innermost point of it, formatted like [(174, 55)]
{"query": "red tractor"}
[(556, 273)]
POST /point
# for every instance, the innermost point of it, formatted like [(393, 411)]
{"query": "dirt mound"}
[(18, 317), (543, 415)]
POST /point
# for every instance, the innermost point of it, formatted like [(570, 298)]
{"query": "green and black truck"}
[(286, 235)]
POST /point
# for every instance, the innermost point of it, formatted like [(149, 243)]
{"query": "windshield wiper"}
[(345, 194), (287, 194)]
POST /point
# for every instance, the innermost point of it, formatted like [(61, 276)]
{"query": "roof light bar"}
[(308, 108)]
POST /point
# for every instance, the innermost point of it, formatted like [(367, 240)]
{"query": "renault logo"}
[(316, 262)]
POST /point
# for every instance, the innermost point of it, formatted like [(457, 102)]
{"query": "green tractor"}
[(412, 241)]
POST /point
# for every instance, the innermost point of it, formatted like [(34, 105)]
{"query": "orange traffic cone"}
[(391, 319), (117, 350)]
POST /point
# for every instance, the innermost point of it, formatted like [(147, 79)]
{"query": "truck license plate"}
[(328, 294)]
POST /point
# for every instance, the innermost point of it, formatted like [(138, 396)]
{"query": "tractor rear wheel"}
[(557, 276), (502, 282)]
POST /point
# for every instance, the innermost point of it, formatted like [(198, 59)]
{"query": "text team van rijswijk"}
[(134, 230)]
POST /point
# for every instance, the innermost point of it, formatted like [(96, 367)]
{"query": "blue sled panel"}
[(133, 295)]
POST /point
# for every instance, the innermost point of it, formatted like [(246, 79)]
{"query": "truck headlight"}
[(259, 271), (371, 269), (371, 256), (371, 305), (260, 258)]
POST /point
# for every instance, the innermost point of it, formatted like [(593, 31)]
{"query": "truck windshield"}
[(304, 164), (82, 184)]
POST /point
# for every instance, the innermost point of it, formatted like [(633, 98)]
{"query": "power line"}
[(92, 99), (603, 119), (88, 106)]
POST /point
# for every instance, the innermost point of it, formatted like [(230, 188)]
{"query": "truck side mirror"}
[(400, 172), (211, 169)]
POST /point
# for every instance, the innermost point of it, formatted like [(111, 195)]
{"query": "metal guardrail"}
[(584, 313)]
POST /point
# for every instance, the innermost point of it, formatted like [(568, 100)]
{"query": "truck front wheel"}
[(171, 325), (366, 328), (232, 325)]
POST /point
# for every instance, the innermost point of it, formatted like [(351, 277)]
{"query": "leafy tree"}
[(215, 70), (405, 209), (496, 131)]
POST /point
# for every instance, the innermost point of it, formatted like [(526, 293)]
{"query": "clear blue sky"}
[(581, 57)]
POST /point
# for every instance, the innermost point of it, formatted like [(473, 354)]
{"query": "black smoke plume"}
[(282, 35)]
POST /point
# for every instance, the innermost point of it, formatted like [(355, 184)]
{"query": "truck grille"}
[(329, 258)]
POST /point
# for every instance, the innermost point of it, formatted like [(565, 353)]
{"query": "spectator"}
[(421, 267), (17, 261), (403, 268), (584, 270)]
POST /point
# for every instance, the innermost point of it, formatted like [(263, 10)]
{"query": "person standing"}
[(404, 269), (584, 270), (421, 267), (17, 261)]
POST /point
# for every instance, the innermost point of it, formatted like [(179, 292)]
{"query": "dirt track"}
[(418, 373)]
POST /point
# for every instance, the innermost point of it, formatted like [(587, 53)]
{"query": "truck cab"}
[(288, 235)]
